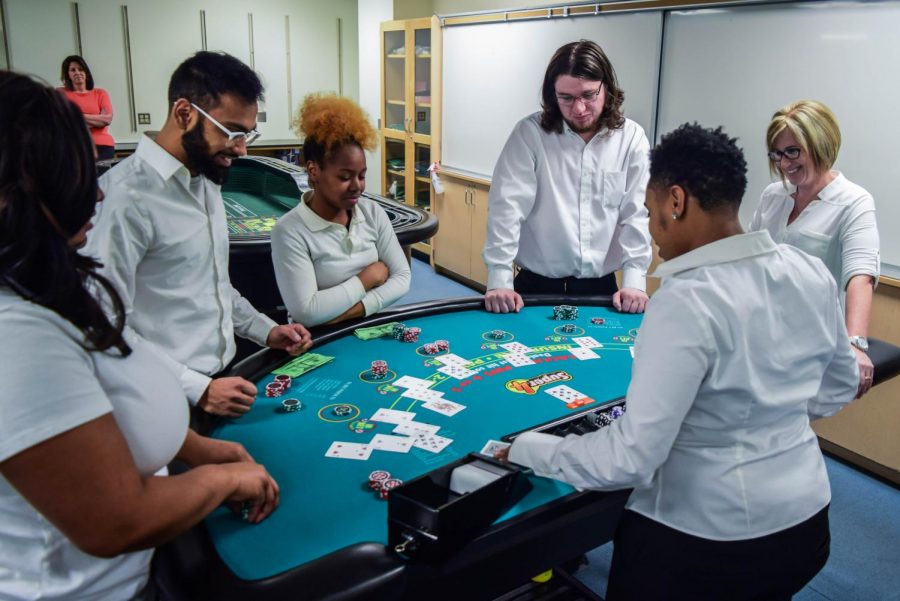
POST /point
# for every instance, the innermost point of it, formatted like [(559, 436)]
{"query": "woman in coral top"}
[(78, 86)]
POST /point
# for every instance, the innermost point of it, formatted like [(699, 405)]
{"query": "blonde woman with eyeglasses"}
[(817, 209)]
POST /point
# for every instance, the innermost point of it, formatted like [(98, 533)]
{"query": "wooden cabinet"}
[(410, 110), (462, 212)]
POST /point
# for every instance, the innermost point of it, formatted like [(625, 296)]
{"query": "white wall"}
[(165, 32), (371, 14)]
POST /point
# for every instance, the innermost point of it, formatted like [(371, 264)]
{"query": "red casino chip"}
[(387, 486), (378, 478)]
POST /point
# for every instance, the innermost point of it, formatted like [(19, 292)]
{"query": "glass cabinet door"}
[(422, 98), (395, 53)]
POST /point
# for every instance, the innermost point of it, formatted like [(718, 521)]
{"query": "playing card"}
[(349, 450), (583, 353), (411, 382), (492, 446), (516, 347), (444, 407), (518, 360), (431, 442), (565, 393), (457, 371), (422, 394), (392, 416), (451, 359), (411, 428), (394, 444), (587, 342)]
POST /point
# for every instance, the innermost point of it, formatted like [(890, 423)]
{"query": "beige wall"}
[(413, 9), (868, 428), (448, 7)]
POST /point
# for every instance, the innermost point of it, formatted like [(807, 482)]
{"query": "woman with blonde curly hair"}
[(821, 212), (335, 254)]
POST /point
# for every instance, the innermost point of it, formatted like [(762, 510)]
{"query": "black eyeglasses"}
[(791, 153), (586, 98)]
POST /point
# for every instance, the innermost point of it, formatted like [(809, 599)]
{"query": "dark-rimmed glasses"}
[(790, 153)]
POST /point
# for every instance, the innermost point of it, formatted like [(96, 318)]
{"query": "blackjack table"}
[(258, 191), (328, 539)]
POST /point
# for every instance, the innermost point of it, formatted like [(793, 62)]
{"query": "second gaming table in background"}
[(259, 190)]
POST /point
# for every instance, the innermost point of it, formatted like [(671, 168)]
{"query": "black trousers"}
[(528, 282), (652, 562), (106, 152)]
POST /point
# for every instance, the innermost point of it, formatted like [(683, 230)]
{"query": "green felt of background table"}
[(325, 502), (241, 206)]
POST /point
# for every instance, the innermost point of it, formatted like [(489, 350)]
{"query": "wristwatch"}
[(860, 342)]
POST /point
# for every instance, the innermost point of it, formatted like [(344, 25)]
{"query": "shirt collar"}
[(732, 248), (315, 223), (833, 189), (827, 193), (159, 158)]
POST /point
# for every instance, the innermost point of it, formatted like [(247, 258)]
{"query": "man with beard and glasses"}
[(566, 200), (162, 237)]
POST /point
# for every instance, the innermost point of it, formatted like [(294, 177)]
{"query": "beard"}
[(582, 129), (199, 158)]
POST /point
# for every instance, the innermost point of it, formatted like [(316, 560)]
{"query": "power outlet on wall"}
[(143, 118)]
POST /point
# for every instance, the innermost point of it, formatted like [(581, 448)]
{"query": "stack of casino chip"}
[(442, 345), (387, 486), (284, 379), (561, 312), (275, 389), (291, 405), (377, 478), (568, 328), (342, 410), (410, 334), (617, 411), (397, 331), (379, 368), (598, 321), (497, 334), (431, 348)]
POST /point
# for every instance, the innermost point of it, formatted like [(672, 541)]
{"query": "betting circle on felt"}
[(315, 488), (326, 413)]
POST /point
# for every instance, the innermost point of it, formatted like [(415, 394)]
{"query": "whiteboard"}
[(492, 76), (736, 66)]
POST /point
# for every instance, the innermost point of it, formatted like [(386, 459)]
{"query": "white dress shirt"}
[(163, 241), (67, 388), (740, 347), (560, 207), (838, 227), (317, 261)]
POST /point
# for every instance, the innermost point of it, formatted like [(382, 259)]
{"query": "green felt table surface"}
[(325, 502)]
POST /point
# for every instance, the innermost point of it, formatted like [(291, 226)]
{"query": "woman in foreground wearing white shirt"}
[(818, 210), (87, 415), (730, 495), (335, 254)]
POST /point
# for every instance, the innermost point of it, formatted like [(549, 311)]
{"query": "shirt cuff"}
[(371, 304), (633, 277), (260, 328), (500, 277), (536, 450), (194, 385)]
